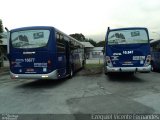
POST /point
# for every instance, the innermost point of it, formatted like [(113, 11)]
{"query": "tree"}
[(1, 28), (91, 41), (79, 36), (101, 44)]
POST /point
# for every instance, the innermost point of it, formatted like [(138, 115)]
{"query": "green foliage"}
[(101, 44), (80, 37), (91, 41)]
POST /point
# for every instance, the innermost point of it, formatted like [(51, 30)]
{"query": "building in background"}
[(92, 52), (3, 49)]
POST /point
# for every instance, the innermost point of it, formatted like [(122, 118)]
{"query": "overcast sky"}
[(89, 17)]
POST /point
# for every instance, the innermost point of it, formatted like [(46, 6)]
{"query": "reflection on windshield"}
[(127, 37), (30, 38)]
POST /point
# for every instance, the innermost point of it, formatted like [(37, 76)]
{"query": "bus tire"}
[(153, 69), (106, 73)]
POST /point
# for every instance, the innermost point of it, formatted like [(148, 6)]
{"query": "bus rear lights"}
[(108, 60), (148, 60), (49, 62)]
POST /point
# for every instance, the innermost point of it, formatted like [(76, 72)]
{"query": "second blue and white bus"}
[(127, 50), (155, 53), (43, 52)]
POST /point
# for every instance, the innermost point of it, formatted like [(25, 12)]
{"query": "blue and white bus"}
[(43, 52), (155, 53), (127, 50)]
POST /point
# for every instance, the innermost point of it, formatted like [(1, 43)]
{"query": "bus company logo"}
[(25, 53), (128, 52), (114, 54)]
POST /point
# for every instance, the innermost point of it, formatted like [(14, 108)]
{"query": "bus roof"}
[(45, 27), (127, 28), (31, 27), (154, 41)]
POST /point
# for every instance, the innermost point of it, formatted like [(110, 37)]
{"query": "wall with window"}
[(94, 53)]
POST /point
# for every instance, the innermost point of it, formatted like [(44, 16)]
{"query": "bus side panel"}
[(155, 60), (78, 58)]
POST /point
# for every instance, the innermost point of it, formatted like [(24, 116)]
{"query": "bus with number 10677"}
[(127, 50), (43, 52)]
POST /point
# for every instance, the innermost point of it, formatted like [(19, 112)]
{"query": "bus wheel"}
[(106, 73), (153, 69)]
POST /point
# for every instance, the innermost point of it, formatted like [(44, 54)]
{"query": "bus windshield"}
[(136, 36), (30, 38)]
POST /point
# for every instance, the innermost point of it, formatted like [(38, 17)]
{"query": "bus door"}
[(67, 54)]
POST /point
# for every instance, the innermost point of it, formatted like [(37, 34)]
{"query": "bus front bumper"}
[(52, 75), (128, 69)]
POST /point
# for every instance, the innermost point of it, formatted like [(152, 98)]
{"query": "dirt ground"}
[(91, 69), (4, 69)]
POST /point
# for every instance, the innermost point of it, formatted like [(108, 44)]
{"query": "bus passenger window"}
[(60, 43), (57, 36)]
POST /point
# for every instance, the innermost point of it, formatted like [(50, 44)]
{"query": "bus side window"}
[(57, 36), (60, 43)]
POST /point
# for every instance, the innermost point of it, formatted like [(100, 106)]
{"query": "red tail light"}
[(49, 63)]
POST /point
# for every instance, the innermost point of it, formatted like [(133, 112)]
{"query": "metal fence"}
[(94, 61)]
